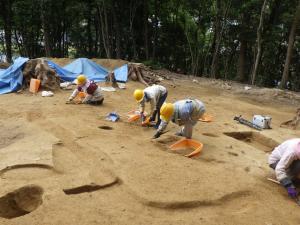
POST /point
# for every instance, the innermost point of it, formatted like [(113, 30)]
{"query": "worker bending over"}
[(90, 88), (285, 160), (156, 95), (185, 113)]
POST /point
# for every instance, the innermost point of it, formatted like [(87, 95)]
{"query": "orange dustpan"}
[(206, 118), (78, 99), (134, 115), (188, 143)]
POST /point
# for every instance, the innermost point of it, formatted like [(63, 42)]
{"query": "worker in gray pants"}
[(185, 113)]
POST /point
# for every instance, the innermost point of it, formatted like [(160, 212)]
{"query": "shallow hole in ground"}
[(105, 128), (254, 139), (21, 201), (210, 135), (88, 188), (168, 140), (25, 171)]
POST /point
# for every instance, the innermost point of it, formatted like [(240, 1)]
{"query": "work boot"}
[(100, 102)]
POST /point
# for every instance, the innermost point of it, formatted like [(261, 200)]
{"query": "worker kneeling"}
[(90, 88), (185, 113), (285, 160), (156, 95)]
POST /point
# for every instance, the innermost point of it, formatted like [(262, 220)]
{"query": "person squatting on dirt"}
[(93, 92), (185, 113), (285, 160), (156, 95)]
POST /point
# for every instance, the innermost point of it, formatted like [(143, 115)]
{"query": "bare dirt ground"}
[(90, 175)]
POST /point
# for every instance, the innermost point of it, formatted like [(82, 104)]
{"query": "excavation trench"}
[(254, 139)]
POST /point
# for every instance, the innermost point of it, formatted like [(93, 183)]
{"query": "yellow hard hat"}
[(166, 111), (138, 95), (81, 79)]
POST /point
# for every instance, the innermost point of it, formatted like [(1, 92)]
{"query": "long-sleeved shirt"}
[(97, 95), (284, 155), (152, 95), (185, 111)]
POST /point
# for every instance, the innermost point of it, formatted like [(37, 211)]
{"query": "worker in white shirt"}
[(156, 95), (285, 160)]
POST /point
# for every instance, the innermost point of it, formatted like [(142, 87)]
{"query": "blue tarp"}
[(62, 73), (92, 70), (121, 73), (11, 79), (89, 68)]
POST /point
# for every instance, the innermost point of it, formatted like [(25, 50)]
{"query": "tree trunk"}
[(288, 58), (89, 29), (6, 8), (104, 29), (259, 41), (241, 61), (217, 33), (45, 25), (154, 46), (117, 30), (146, 43)]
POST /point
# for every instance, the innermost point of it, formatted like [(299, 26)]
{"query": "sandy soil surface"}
[(58, 163)]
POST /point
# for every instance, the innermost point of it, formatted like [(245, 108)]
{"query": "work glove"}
[(157, 135), (69, 100), (152, 118), (142, 117), (292, 192)]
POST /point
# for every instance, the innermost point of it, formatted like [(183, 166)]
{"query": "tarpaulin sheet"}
[(90, 69), (121, 73), (62, 73), (11, 79)]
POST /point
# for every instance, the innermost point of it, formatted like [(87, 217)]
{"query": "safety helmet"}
[(166, 111), (138, 95), (81, 79)]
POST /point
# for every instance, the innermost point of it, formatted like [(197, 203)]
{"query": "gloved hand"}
[(142, 117), (152, 118), (157, 135), (69, 100), (292, 192)]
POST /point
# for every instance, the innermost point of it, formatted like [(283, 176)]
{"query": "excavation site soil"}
[(65, 164)]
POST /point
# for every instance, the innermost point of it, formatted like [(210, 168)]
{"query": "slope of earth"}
[(92, 171)]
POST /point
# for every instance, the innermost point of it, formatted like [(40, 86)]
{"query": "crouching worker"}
[(90, 88), (185, 113), (285, 160), (156, 95)]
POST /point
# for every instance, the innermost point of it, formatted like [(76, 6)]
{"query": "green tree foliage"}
[(204, 38)]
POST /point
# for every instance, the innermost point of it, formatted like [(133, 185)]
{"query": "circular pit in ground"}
[(21, 201), (105, 127)]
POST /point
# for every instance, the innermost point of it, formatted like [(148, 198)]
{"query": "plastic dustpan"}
[(80, 96), (188, 143), (146, 122), (134, 115), (206, 118)]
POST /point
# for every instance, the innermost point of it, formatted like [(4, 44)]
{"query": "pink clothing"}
[(96, 96), (284, 155)]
